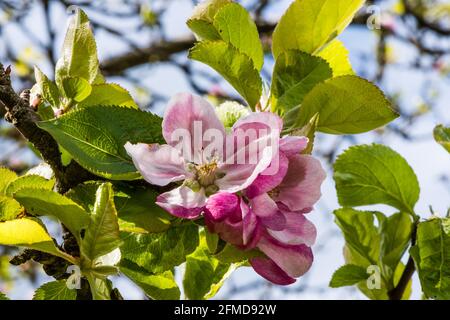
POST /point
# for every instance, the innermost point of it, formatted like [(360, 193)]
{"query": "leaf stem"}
[(410, 268)]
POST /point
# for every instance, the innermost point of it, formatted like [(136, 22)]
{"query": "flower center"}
[(206, 173), (205, 176)]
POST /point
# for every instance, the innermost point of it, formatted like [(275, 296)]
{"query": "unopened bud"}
[(59, 112), (25, 95), (229, 112), (35, 101), (8, 70)]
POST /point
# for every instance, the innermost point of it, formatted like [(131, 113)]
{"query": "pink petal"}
[(159, 165), (270, 119), (268, 269), (284, 208), (276, 222), (264, 206), (266, 181), (251, 230), (298, 230), (243, 166), (222, 205), (300, 188), (238, 177), (293, 145), (182, 202), (227, 230), (267, 211), (295, 260), (191, 116), (250, 149)]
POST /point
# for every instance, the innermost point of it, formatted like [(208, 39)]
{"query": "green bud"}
[(229, 112)]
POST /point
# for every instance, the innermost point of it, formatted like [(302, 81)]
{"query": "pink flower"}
[(270, 214), (201, 157), (287, 235), (250, 204)]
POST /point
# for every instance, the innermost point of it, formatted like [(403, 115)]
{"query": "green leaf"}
[(378, 247), (237, 68), (308, 25), (308, 131), (102, 235), (442, 136), (208, 9), (55, 290), (66, 158), (382, 292), (103, 271), (347, 105), (235, 26), (336, 54), (76, 89), (201, 21), (47, 88), (9, 208), (108, 94), (162, 251), (9, 184), (232, 254), (203, 29), (395, 237), (432, 257), (49, 203), (375, 174), (29, 181), (136, 207), (100, 287), (6, 177), (29, 233), (204, 274), (3, 296), (295, 74), (100, 148), (212, 240), (362, 238), (138, 211), (45, 111), (85, 194), (160, 286), (348, 275), (79, 54)]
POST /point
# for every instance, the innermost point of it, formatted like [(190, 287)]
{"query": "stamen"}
[(206, 173)]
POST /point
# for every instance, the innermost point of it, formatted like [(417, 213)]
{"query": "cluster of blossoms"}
[(252, 186)]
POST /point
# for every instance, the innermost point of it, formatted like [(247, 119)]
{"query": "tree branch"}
[(163, 50), (409, 9), (158, 52), (23, 117)]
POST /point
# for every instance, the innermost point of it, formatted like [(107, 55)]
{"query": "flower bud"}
[(229, 112)]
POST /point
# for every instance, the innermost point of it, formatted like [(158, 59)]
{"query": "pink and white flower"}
[(250, 204), (202, 156)]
